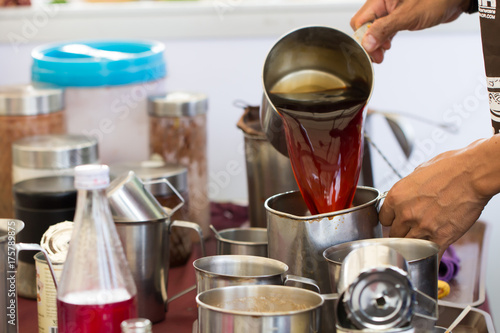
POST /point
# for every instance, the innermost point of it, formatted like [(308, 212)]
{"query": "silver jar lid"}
[(154, 171), (62, 151), (178, 104), (26, 100)]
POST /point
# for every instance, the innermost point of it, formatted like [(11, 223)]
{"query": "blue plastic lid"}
[(98, 63)]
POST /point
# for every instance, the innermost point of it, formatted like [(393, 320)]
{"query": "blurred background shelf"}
[(179, 19)]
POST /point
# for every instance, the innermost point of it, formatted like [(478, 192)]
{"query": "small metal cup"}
[(230, 270), (244, 241)]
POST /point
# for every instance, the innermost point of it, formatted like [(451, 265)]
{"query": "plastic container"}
[(107, 84), (51, 155), (180, 239), (96, 280), (25, 111), (178, 133)]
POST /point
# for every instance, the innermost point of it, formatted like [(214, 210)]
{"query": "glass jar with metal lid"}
[(51, 155), (25, 111), (177, 175), (178, 132)]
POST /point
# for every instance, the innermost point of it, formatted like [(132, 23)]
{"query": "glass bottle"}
[(137, 325), (96, 292)]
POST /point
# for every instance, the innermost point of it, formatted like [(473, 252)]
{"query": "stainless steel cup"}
[(229, 270), (315, 55), (299, 239), (144, 229), (244, 241), (258, 308), (421, 256)]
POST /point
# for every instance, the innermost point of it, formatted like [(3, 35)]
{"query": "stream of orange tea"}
[(324, 132)]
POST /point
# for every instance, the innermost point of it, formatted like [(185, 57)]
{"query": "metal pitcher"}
[(310, 56), (144, 228), (298, 239)]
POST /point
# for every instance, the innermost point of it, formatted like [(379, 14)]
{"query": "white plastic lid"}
[(91, 176)]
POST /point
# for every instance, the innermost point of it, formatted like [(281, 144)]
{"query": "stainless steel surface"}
[(178, 104), (476, 321), (410, 329), (130, 201), (230, 270), (365, 259), (299, 239), (54, 151), (469, 285), (149, 171), (25, 100), (258, 309), (268, 171), (310, 54), (421, 255), (245, 241)]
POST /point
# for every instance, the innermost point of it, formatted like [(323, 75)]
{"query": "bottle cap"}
[(91, 176)]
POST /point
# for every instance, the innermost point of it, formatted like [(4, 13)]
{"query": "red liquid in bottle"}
[(94, 318), (324, 133)]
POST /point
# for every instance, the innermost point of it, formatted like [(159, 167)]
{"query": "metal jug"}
[(144, 228), (316, 56)]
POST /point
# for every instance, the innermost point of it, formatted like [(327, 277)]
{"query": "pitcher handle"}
[(165, 181), (36, 247), (301, 279), (426, 306), (197, 228)]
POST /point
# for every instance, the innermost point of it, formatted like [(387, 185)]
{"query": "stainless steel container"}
[(268, 171), (245, 241), (299, 239), (262, 309), (144, 229), (229, 270), (421, 256), (310, 56)]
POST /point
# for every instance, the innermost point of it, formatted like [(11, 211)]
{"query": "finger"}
[(377, 56), (399, 229), (386, 214), (383, 30), (418, 233)]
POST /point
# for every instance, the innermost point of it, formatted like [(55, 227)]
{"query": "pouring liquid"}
[(324, 132)]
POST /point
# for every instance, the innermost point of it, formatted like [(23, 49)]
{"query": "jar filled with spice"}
[(25, 111), (178, 133)]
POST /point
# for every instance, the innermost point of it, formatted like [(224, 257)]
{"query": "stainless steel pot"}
[(229, 270), (258, 308), (245, 241), (299, 239)]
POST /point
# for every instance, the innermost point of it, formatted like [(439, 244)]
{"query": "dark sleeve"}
[(490, 29), (473, 7)]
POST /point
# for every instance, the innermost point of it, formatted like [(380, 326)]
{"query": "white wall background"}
[(425, 73)]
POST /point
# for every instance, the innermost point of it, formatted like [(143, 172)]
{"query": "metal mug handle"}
[(197, 228), (300, 279), (36, 247), (425, 306), (165, 181)]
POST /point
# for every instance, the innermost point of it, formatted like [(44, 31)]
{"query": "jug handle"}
[(425, 306), (36, 247), (301, 279), (197, 228), (165, 181)]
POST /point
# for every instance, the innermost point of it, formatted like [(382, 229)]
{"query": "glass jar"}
[(107, 85), (178, 133), (25, 111), (148, 171), (51, 155)]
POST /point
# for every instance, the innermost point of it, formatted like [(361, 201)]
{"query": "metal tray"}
[(468, 287), (476, 321)]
